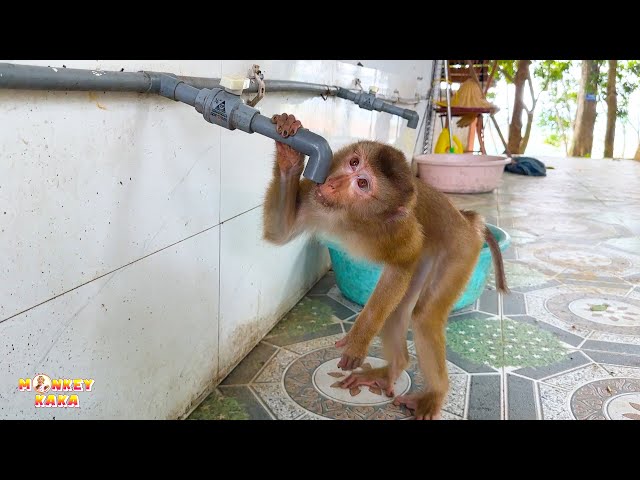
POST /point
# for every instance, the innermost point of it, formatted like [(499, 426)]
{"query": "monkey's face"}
[(367, 178), (350, 183)]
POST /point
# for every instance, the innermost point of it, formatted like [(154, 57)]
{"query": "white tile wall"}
[(69, 221), (260, 282), (147, 334), (90, 182)]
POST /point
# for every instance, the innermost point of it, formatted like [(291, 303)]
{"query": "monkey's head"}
[(369, 179)]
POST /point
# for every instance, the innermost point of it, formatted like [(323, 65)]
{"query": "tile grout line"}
[(564, 372), (266, 342), (538, 400), (128, 264), (585, 340), (263, 404), (633, 355), (516, 374), (504, 399), (109, 273), (504, 394), (467, 400), (219, 235), (599, 365), (261, 369), (219, 296)]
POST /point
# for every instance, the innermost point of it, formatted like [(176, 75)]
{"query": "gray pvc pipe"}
[(30, 77), (70, 79), (185, 93), (270, 85), (377, 104), (411, 116), (291, 86)]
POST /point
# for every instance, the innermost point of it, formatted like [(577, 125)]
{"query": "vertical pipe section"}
[(304, 141), (411, 116)]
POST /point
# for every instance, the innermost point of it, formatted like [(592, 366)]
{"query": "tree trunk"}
[(515, 128), (637, 155), (527, 132), (612, 109), (586, 114), (563, 133)]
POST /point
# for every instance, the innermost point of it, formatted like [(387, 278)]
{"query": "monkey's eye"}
[(363, 183), (354, 162)]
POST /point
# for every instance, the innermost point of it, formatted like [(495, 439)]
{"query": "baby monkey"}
[(373, 205)]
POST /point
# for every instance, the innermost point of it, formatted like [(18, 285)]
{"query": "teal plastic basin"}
[(357, 279)]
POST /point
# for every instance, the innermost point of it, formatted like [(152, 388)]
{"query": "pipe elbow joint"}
[(320, 158), (304, 141), (412, 118)]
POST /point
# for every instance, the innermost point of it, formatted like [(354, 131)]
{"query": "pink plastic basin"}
[(461, 172)]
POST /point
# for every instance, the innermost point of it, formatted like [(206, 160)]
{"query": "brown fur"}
[(427, 246)]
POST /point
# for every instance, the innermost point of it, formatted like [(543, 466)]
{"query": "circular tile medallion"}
[(581, 259), (605, 313), (328, 373), (308, 382), (608, 399), (624, 407)]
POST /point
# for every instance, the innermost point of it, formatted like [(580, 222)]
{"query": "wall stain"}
[(93, 96)]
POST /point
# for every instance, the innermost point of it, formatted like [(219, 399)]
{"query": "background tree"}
[(518, 73), (612, 109), (628, 81), (559, 105), (585, 120)]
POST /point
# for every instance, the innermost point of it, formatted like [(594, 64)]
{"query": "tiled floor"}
[(564, 344)]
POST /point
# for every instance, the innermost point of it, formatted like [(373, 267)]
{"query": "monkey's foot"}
[(351, 359), (425, 406), (377, 378)]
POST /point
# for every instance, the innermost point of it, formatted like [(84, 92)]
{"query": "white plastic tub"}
[(461, 172)]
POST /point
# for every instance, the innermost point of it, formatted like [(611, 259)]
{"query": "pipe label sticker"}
[(368, 102), (219, 111)]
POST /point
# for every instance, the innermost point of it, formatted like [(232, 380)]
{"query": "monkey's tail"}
[(498, 265)]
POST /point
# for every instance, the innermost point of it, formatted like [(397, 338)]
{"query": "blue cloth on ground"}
[(526, 166)]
